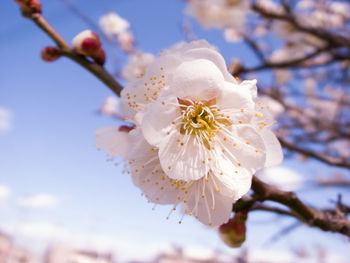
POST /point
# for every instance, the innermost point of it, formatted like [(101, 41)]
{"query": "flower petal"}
[(213, 56), (274, 153), (236, 103), (158, 118), (236, 179), (113, 141), (181, 157), (243, 145), (207, 202), (198, 80), (147, 173)]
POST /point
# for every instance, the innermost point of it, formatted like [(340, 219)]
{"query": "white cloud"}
[(282, 177), (5, 192), (38, 201), (6, 117)]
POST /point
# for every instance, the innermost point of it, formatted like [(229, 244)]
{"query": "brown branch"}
[(309, 153), (68, 51), (326, 220), (324, 35), (298, 62), (276, 210)]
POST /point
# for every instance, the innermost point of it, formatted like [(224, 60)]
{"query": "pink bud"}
[(29, 7), (88, 44), (49, 54), (100, 57), (125, 128), (233, 233)]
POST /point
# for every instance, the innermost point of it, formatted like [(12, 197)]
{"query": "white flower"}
[(219, 13), (136, 67), (112, 24), (199, 134)]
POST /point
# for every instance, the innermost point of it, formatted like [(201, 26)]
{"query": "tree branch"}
[(326, 220), (68, 51), (323, 158)]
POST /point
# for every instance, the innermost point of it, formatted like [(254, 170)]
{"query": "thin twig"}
[(67, 50)]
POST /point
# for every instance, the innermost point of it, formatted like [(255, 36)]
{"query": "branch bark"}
[(68, 51), (326, 220)]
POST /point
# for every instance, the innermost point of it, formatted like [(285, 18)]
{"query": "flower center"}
[(202, 119)]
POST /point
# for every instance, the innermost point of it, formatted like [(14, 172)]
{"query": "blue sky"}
[(50, 147)]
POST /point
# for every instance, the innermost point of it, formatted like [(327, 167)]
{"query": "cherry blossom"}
[(199, 134), (112, 24)]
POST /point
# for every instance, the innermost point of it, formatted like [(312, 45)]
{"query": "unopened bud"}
[(50, 54), (233, 233), (29, 7), (125, 128), (88, 44)]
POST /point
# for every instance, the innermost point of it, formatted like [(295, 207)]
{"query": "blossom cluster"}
[(196, 135), (116, 27)]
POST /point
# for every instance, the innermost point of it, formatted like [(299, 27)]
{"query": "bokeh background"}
[(57, 190)]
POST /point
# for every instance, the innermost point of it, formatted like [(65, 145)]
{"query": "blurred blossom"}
[(113, 25), (38, 201), (310, 85), (110, 106), (219, 13), (118, 28), (323, 108), (6, 117), (290, 52), (136, 67), (270, 5), (340, 8), (305, 4), (273, 106), (282, 76), (126, 41), (260, 30), (294, 38), (325, 19), (232, 35), (282, 177)]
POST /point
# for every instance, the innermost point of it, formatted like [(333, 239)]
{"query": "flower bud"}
[(233, 233), (50, 54), (29, 7), (88, 44), (125, 128)]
